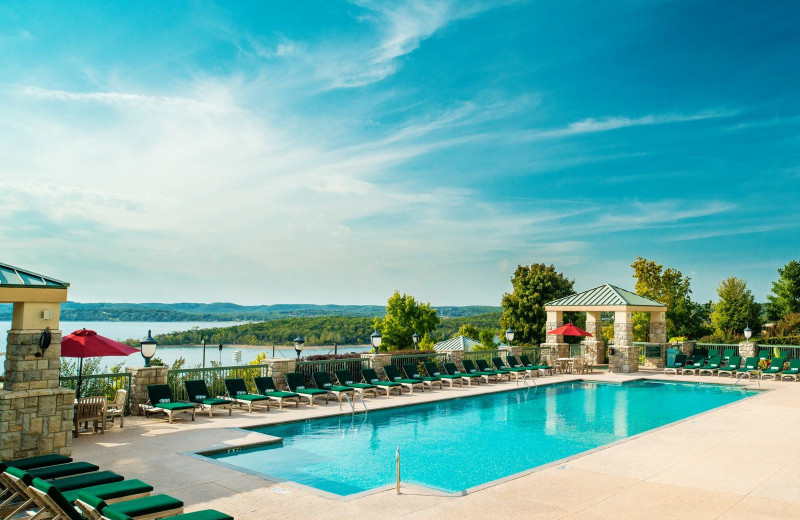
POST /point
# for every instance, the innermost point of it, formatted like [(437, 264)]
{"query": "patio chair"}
[(775, 368), (694, 365), (579, 365), (731, 367), (483, 366), (297, 384), (197, 390), (393, 374), (61, 505), (145, 508), (750, 367), (513, 363), (763, 354), (677, 365), (237, 392), (161, 400), (517, 373), (452, 370), (487, 375), (543, 369), (712, 366), (39, 461), (323, 381), (371, 377), (793, 371), (266, 387), (345, 378), (48, 466), (90, 410), (203, 514), (116, 408), (729, 353), (432, 370), (411, 371)]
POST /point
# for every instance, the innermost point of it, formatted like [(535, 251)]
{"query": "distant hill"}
[(223, 311)]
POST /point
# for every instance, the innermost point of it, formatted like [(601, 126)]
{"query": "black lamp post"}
[(415, 338), (147, 347), (375, 338), (220, 354), (298, 346), (509, 335), (203, 342)]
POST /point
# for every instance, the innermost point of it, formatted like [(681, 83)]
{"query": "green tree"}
[(468, 330), (785, 297), (486, 337), (736, 308), (668, 286), (523, 309), (404, 316)]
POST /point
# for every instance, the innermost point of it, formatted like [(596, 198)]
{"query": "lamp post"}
[(747, 333), (415, 337), (375, 339), (298, 346), (203, 342), (220, 354), (147, 347), (509, 335)]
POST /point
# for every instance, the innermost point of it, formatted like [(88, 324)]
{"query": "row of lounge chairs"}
[(732, 366), (54, 487), (413, 377)]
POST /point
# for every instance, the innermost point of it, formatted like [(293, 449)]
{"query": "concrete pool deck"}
[(737, 461)]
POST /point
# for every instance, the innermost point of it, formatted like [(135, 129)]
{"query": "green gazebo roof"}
[(605, 296), (11, 276)]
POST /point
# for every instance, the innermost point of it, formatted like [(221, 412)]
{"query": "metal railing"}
[(486, 355), (214, 377), (419, 359), (536, 355), (719, 347), (787, 351), (353, 365), (577, 350), (100, 385)]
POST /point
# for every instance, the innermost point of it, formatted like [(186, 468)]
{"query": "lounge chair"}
[(63, 470), (793, 371), (393, 374), (323, 381), (694, 365), (371, 377), (27, 463), (161, 400), (677, 365), (763, 354), (61, 505), (345, 378), (452, 370), (433, 370), (266, 387), (517, 372), (775, 368), (731, 367), (513, 363), (487, 375), (411, 371), (297, 384), (237, 391), (543, 369), (712, 366), (145, 508), (204, 514), (750, 367), (483, 366), (729, 353), (197, 390)]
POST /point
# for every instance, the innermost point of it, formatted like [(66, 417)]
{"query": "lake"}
[(122, 330)]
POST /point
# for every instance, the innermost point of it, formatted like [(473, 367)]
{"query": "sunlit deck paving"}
[(739, 461)]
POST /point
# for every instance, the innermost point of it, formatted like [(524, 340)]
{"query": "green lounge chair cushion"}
[(251, 397), (35, 462), (174, 406), (111, 491), (337, 388), (87, 479), (205, 514), (771, 371), (55, 494), (384, 383), (136, 507), (213, 401), (280, 395), (63, 470), (727, 369), (310, 391)]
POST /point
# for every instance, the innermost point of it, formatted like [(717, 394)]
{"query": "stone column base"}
[(378, 361), (748, 349), (595, 352), (557, 349), (278, 368), (625, 359), (656, 362), (35, 422), (141, 377)]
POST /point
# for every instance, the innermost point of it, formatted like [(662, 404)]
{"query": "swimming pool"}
[(459, 444)]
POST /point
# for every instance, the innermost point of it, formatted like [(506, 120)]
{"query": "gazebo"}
[(607, 298)]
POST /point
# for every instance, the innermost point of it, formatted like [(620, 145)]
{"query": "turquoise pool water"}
[(458, 444)]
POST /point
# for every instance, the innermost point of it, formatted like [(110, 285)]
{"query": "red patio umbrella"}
[(87, 343), (568, 330)]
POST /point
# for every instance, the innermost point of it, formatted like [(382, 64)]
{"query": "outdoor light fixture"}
[(298, 345), (415, 337), (44, 342), (203, 342), (220, 353), (747, 333), (375, 338), (148, 348), (510, 335)]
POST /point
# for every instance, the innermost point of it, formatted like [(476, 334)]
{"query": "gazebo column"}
[(556, 344), (626, 356), (595, 347), (658, 327)]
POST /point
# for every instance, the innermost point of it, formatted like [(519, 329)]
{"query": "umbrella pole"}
[(80, 379)]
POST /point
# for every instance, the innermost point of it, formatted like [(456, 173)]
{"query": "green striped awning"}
[(605, 296)]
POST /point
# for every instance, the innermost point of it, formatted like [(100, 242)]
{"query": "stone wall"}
[(140, 378), (278, 368), (25, 371), (34, 422), (378, 361), (748, 349), (625, 359)]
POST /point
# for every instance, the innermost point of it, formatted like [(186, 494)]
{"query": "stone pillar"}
[(278, 368), (626, 357), (748, 349), (378, 361), (595, 346), (655, 361), (555, 319), (687, 347), (658, 327), (35, 414), (456, 356), (141, 377)]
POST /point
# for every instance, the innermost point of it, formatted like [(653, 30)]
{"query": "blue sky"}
[(332, 152)]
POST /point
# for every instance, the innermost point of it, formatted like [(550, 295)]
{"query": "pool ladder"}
[(352, 406), (740, 376), (528, 379)]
